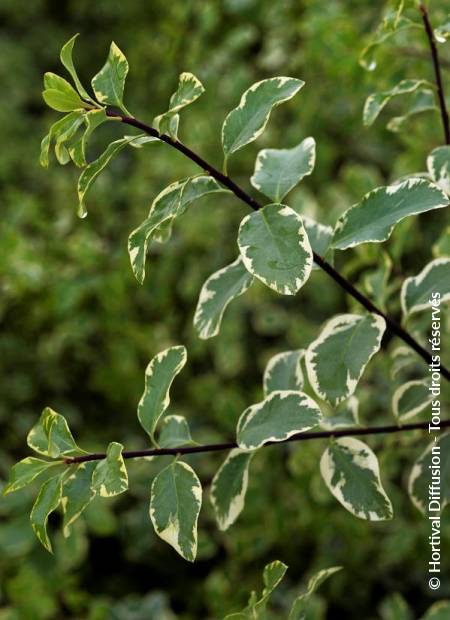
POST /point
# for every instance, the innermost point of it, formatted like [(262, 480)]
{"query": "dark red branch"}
[(218, 447), (255, 205), (437, 72)]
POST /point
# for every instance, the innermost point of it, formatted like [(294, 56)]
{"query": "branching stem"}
[(227, 182), (218, 447)]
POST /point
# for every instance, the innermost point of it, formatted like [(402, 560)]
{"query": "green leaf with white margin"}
[(377, 101), (256, 608), (77, 494), (109, 82), (376, 281), (320, 237), (393, 22), (438, 611), (65, 134), (189, 89), (51, 436), (176, 499), (248, 120), (279, 416), (410, 399), (24, 472), (67, 61), (91, 172), (93, 119), (351, 472), (229, 486), (174, 432), (55, 130), (402, 358), (277, 171), (159, 374), (217, 292), (417, 292), (46, 502), (300, 606), (442, 32), (336, 360), (110, 476), (171, 202), (275, 248), (421, 101), (438, 164), (374, 218), (284, 372), (425, 472), (345, 415)]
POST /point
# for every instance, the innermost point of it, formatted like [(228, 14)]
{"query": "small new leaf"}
[(275, 248), (421, 477), (67, 61), (229, 486), (284, 372), (159, 375), (24, 472), (336, 360), (410, 399), (110, 475), (51, 436), (430, 286), (217, 292), (277, 171), (351, 472), (174, 432), (109, 82), (77, 494), (278, 417), (176, 499), (248, 120), (46, 502), (377, 101), (300, 605), (189, 89)]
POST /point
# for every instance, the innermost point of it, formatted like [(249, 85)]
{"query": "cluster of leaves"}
[(378, 282)]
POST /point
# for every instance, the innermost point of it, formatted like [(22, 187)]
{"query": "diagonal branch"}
[(437, 72), (218, 447), (226, 181)]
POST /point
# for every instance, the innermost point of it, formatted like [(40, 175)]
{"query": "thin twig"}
[(437, 72), (218, 447), (226, 181)]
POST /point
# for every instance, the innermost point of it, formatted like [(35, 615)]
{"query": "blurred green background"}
[(77, 330)]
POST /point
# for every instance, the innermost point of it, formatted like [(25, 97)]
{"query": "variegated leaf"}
[(51, 436), (351, 472), (248, 120), (110, 476), (344, 415), (229, 486), (438, 164), (176, 499), (374, 218), (284, 372), (60, 95), (109, 83), (24, 472), (431, 287), (300, 606), (67, 61), (410, 399), (174, 432), (171, 202), (46, 502), (189, 89), (217, 292), (423, 100), (336, 360), (91, 172), (278, 417), (159, 374), (275, 248), (320, 237), (56, 130), (377, 101), (431, 468), (277, 171), (93, 119), (77, 493)]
